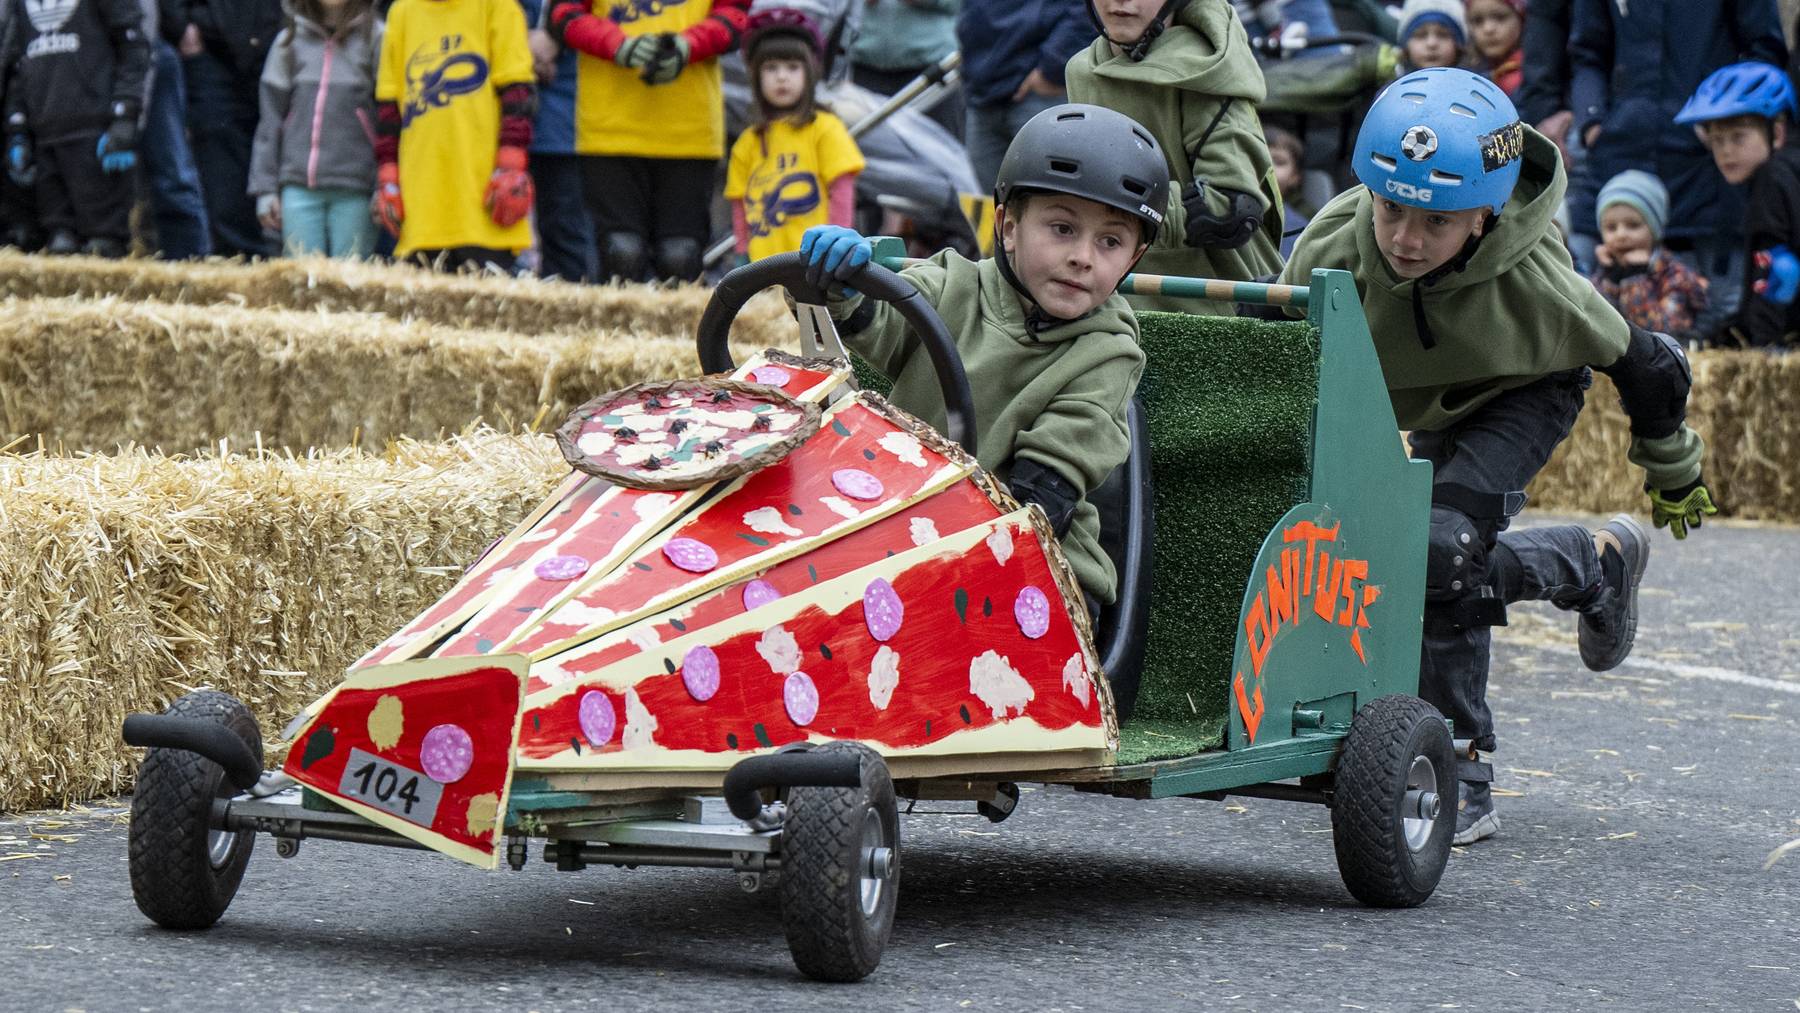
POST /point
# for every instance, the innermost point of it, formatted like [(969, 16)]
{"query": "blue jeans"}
[(329, 220), (991, 131), (565, 232), (176, 201), (222, 114)]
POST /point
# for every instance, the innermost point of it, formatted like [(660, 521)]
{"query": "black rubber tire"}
[(173, 877), (1368, 827), (821, 879)]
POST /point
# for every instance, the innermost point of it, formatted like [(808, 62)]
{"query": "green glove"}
[(671, 59), (1680, 509), (637, 52)]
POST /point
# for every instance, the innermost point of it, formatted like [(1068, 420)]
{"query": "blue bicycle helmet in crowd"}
[(1742, 89), (1443, 139)]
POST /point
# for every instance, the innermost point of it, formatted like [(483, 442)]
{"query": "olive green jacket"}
[(1199, 81), (1516, 313), (1057, 397)]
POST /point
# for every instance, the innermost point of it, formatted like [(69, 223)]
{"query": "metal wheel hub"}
[(1419, 806), (875, 862)]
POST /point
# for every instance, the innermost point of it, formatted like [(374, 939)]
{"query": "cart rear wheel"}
[(1395, 807), (840, 872), (183, 872)]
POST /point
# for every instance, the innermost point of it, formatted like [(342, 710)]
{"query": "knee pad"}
[(678, 259), (623, 256), (1455, 556)]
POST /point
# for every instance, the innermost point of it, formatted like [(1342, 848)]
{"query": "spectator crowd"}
[(587, 139)]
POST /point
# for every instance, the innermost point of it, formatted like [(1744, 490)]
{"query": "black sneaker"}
[(1609, 624), (64, 243), (1475, 816)]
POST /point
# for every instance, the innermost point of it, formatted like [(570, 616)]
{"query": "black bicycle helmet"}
[(1093, 152)]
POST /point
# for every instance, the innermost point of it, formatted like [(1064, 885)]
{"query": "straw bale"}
[(91, 374), (129, 580), (1742, 403), (472, 301)]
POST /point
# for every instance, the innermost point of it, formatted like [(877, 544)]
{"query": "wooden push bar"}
[(1209, 289)]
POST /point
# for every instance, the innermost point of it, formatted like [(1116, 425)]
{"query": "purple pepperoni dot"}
[(857, 484), (700, 672), (691, 555), (758, 593), (774, 376), (598, 721), (801, 698), (447, 753), (561, 568), (882, 609), (1032, 610)]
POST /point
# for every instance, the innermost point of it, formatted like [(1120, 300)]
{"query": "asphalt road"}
[(1639, 810)]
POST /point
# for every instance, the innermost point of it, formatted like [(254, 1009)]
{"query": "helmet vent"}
[(1134, 187), (1462, 110), (1387, 164), (1072, 114), (1442, 178), (1484, 98), (1065, 167), (1415, 97)]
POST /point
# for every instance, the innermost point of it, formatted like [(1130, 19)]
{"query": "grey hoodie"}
[(317, 128)]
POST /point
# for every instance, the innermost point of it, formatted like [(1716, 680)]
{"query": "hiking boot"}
[(1608, 624), (1475, 817), (63, 243)]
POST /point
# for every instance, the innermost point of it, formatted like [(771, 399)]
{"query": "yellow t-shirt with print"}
[(444, 62), (617, 114), (782, 174)]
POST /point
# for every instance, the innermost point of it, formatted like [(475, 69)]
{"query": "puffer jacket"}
[(317, 127)]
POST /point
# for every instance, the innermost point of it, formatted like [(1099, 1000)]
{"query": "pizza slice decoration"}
[(680, 434)]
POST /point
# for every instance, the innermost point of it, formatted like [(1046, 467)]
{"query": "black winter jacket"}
[(1546, 42), (236, 31), (75, 67)]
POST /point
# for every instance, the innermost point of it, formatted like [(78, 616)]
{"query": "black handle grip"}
[(747, 778), (210, 739), (875, 282)]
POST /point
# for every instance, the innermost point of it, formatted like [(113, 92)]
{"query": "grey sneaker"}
[(1609, 625), (1475, 817)]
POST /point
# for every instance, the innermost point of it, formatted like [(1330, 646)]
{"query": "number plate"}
[(388, 786)]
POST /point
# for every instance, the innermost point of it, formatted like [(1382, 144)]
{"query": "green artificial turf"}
[(1229, 404)]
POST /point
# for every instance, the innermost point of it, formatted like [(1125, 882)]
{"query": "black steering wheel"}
[(875, 282)]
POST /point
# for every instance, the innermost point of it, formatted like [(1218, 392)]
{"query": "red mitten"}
[(509, 191), (386, 207)]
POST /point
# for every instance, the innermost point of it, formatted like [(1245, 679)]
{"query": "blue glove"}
[(21, 167), (834, 255), (117, 148), (1782, 282)]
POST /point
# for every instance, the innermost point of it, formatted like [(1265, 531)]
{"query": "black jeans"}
[(73, 194), (1494, 451), (565, 233), (657, 200), (222, 114)]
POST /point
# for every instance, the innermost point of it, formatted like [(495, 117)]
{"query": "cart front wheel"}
[(840, 872), (184, 873), (1395, 807)]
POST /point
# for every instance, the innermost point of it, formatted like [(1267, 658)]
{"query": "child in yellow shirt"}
[(796, 168)]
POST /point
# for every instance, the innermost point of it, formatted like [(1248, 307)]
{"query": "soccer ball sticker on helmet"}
[(1503, 146), (1420, 143)]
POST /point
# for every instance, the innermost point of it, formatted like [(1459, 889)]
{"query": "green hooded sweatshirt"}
[(1057, 397), (1516, 313), (1199, 83)]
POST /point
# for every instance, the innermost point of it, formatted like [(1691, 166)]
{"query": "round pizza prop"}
[(684, 433)]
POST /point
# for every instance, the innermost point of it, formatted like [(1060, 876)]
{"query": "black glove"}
[(1034, 483), (1227, 231)]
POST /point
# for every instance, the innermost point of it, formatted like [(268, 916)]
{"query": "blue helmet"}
[(1742, 89), (1443, 139)]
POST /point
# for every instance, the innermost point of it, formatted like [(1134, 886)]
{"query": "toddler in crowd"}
[(453, 110), (1495, 30), (1742, 113), (312, 167), (1433, 33), (1288, 155), (797, 166), (1185, 71), (1648, 286)]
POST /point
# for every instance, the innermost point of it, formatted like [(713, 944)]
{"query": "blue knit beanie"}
[(1640, 190), (1448, 13)]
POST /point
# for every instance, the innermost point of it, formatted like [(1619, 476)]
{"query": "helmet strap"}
[(1136, 51), (1037, 321)]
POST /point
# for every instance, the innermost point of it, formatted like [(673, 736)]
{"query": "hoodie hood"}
[(1517, 311), (1204, 49)]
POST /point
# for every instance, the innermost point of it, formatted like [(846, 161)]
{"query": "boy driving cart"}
[(1486, 337), (1050, 348)]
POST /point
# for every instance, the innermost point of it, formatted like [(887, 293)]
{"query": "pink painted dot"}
[(882, 609), (774, 376), (1032, 610), (561, 568), (447, 753), (857, 484), (691, 555), (758, 593), (700, 672), (801, 698), (598, 720)]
